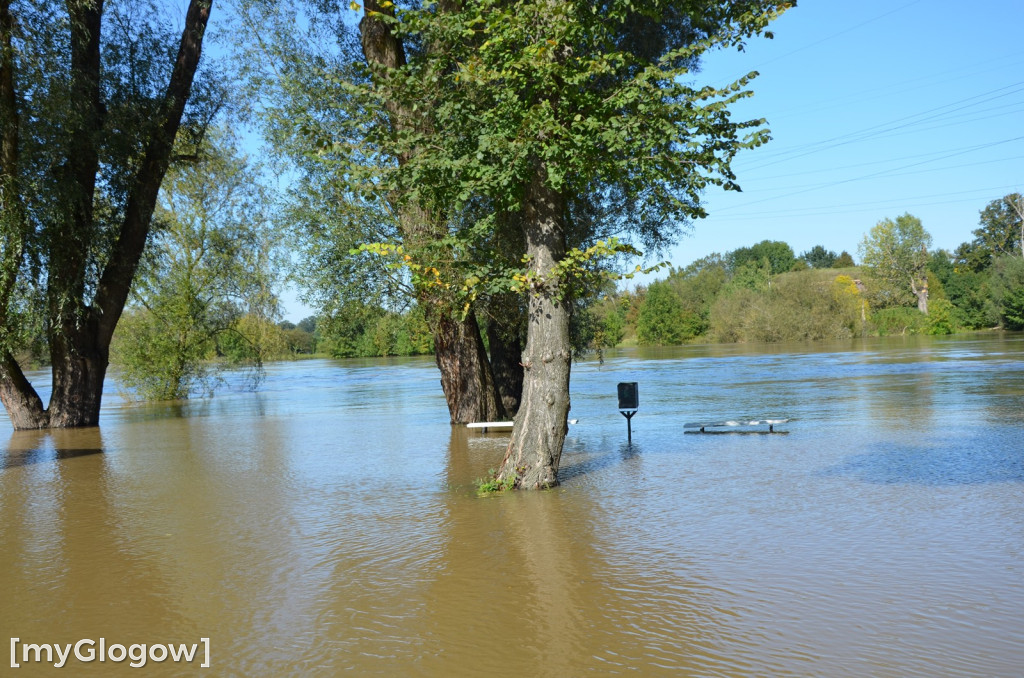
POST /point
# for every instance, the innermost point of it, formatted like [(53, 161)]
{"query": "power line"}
[(990, 161), (963, 119), (873, 175), (819, 171), (845, 208), (892, 125), (1007, 62)]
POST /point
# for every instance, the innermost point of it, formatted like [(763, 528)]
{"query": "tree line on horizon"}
[(760, 293), (765, 293)]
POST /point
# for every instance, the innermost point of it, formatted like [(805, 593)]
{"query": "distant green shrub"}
[(898, 320), (970, 294), (800, 306), (844, 260), (362, 331), (819, 257), (612, 329), (941, 317), (663, 320), (779, 256), (601, 324), (1006, 282), (1013, 309), (732, 316)]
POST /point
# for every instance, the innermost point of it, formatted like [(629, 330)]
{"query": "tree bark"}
[(24, 407), (23, 404), (80, 334), (466, 378), (79, 368), (535, 450)]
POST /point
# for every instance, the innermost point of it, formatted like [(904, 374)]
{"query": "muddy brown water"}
[(328, 524)]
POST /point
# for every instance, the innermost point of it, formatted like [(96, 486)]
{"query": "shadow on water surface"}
[(38, 447), (997, 461), (584, 465)]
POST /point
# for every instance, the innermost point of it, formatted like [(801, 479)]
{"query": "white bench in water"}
[(500, 425), (771, 423)]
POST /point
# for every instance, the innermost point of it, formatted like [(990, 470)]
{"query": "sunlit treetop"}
[(603, 94)]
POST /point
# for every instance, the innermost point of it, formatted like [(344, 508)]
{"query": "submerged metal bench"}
[(735, 422)]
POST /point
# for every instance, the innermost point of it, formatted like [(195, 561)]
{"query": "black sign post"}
[(629, 403)]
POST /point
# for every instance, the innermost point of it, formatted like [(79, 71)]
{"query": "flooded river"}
[(328, 523)]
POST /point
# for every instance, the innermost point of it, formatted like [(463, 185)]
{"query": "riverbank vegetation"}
[(760, 293), (764, 293)]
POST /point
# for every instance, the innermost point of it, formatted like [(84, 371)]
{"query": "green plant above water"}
[(492, 484)]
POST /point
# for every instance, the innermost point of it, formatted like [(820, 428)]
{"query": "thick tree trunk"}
[(22, 403), (79, 367), (13, 224), (466, 376), (534, 453)]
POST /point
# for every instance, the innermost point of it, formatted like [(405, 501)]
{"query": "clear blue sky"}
[(877, 107)]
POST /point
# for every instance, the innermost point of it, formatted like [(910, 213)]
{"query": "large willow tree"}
[(92, 95)]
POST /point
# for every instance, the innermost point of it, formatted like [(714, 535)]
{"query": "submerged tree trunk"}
[(79, 359), (79, 367), (534, 453), (466, 377)]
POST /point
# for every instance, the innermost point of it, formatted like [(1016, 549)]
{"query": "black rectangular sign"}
[(629, 395)]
